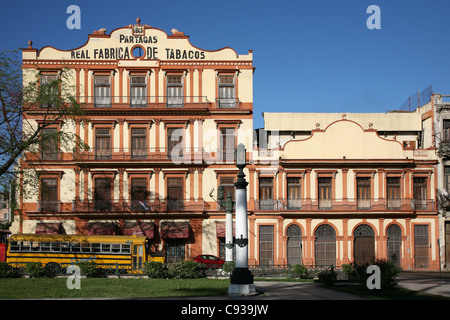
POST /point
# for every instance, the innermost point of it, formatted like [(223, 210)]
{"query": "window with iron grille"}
[(139, 194), (102, 194), (49, 91), (138, 92), (174, 91), (266, 245), (227, 144), (227, 184), (324, 195), (102, 143), (266, 193), (49, 194), (420, 192), (393, 193), (175, 250), (49, 144), (363, 192), (102, 91), (138, 143), (227, 92), (294, 193)]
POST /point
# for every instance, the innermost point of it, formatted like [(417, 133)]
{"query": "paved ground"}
[(430, 282)]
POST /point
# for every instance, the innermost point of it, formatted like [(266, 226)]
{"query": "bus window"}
[(26, 246), (138, 251), (126, 248), (95, 247), (65, 247), (45, 246), (106, 247), (85, 247), (14, 246), (76, 247), (116, 248), (56, 246), (35, 246)]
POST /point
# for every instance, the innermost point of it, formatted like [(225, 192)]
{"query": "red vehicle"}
[(210, 261)]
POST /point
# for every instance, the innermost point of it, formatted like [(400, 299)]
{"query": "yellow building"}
[(162, 121)]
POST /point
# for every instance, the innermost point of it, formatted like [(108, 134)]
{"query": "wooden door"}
[(364, 245)]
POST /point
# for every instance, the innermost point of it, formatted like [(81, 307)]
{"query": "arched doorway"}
[(364, 245), (294, 245), (325, 246), (394, 244)]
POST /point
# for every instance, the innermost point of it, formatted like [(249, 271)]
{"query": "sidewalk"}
[(429, 282)]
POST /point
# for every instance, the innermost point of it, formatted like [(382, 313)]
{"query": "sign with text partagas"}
[(138, 42)]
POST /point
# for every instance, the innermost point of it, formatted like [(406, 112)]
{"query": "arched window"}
[(294, 245), (325, 246), (364, 245), (394, 244)]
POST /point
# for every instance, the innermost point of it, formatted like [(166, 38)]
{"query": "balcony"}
[(361, 205), (161, 205), (147, 102)]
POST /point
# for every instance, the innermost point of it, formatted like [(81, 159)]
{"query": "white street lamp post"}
[(241, 281)]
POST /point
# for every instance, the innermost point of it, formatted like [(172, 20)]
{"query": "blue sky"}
[(310, 55)]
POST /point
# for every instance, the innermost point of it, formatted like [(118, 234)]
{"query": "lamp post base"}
[(242, 290), (241, 283)]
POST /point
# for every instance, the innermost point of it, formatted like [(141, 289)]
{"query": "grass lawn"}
[(37, 288)]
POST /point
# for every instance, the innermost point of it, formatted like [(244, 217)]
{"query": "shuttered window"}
[(139, 193), (393, 193), (227, 92), (228, 145), (138, 143), (266, 193), (49, 194), (420, 192), (174, 91), (138, 92), (325, 199), (102, 194), (49, 144), (175, 143), (294, 193), (363, 193), (102, 91), (266, 245), (102, 143)]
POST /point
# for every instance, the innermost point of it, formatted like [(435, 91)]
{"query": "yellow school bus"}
[(56, 251)]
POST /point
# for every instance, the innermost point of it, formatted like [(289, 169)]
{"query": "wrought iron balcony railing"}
[(345, 204)]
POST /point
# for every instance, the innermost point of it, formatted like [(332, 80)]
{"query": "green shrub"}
[(350, 272), (156, 269), (6, 271), (186, 270), (328, 277), (300, 271), (388, 271), (35, 269), (89, 268), (228, 267)]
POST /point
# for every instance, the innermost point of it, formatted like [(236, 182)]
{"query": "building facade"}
[(162, 121)]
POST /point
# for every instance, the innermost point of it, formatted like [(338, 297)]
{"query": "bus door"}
[(137, 257)]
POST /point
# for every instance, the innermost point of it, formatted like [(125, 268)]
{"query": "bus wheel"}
[(53, 269)]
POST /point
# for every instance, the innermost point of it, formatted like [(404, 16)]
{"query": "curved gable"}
[(343, 138)]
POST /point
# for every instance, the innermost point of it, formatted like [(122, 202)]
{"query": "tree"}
[(27, 94)]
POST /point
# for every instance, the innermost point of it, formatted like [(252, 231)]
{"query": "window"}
[(325, 199), (227, 144), (49, 144), (294, 196), (102, 91), (446, 131), (447, 178), (49, 194), (227, 95), (102, 194), (266, 245), (393, 193), (49, 91), (175, 193), (138, 92), (420, 192), (175, 250), (103, 144), (174, 143), (174, 91), (138, 143), (266, 193), (139, 194), (363, 193), (227, 184)]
